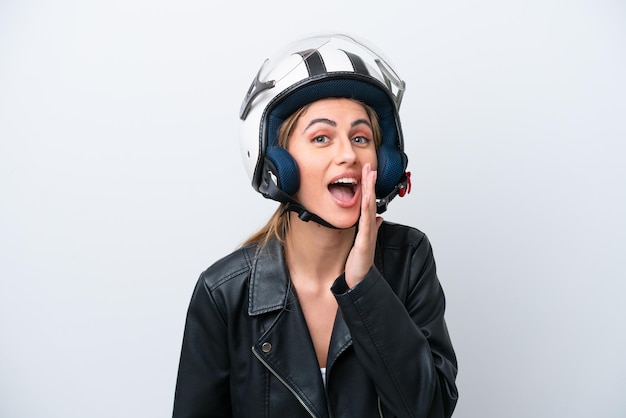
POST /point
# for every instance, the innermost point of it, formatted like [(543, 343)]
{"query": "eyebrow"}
[(361, 122), (334, 124)]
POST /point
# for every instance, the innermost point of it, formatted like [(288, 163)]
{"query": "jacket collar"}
[(269, 280), (270, 288)]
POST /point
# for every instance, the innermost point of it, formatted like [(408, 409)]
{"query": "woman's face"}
[(331, 142)]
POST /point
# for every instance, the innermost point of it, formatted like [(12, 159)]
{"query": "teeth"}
[(346, 181)]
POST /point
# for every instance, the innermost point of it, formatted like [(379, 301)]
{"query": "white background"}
[(121, 180)]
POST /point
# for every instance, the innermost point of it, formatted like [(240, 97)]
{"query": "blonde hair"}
[(278, 225)]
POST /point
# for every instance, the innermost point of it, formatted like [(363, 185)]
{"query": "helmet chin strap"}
[(305, 215), (291, 205)]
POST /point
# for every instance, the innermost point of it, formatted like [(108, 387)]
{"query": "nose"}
[(345, 152)]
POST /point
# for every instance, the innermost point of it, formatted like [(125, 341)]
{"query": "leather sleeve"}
[(202, 386), (403, 345)]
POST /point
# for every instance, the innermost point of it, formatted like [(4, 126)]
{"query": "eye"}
[(361, 140), (320, 139)]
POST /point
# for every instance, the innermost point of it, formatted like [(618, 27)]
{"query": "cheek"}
[(372, 158), (311, 174)]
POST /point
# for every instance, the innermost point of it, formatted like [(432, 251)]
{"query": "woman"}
[(327, 311)]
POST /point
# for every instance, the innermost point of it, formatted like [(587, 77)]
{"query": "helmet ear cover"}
[(279, 162), (392, 160)]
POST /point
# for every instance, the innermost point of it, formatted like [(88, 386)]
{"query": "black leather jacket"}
[(247, 351)]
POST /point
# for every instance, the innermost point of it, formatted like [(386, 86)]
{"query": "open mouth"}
[(344, 189)]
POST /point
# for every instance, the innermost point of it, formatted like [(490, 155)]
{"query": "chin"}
[(343, 222), (341, 218)]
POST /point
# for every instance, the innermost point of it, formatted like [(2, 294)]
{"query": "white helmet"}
[(314, 68)]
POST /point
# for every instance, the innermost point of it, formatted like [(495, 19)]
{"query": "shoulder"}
[(233, 267), (394, 235), (405, 259)]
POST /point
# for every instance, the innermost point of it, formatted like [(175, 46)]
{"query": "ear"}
[(391, 166), (280, 163)]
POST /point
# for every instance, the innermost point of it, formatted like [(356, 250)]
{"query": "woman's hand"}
[(361, 257)]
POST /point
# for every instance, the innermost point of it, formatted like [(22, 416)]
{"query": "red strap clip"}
[(406, 189)]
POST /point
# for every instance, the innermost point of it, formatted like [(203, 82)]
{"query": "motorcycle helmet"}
[(317, 67)]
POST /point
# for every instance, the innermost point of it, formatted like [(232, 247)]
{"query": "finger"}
[(366, 194), (368, 222), (369, 186)]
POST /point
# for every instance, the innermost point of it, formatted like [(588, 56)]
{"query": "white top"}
[(323, 370)]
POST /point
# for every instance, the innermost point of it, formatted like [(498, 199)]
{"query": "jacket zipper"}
[(380, 408), (283, 382)]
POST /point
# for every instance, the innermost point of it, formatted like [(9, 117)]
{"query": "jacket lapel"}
[(284, 344), (340, 340)]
